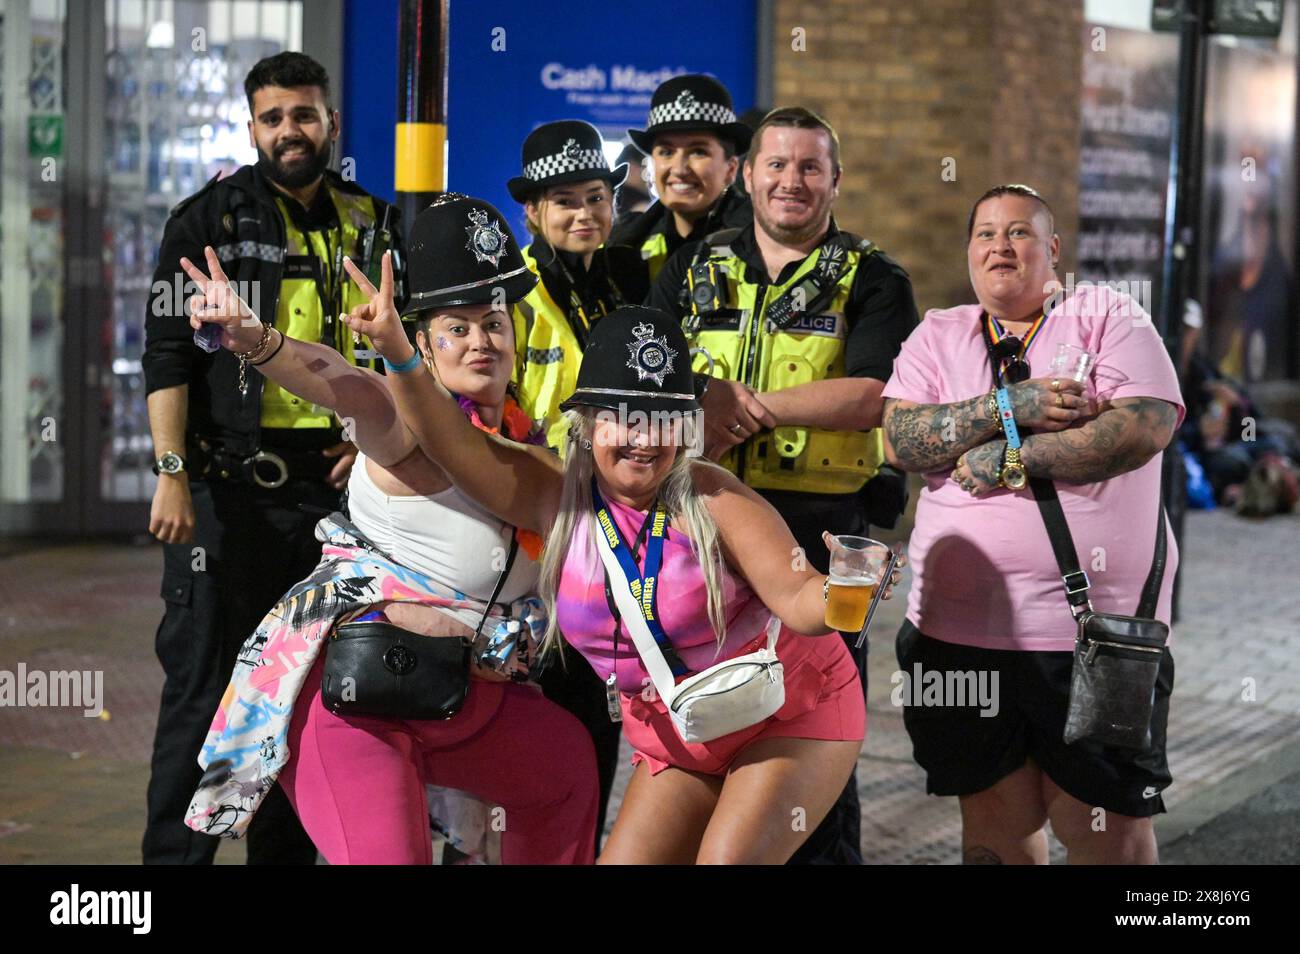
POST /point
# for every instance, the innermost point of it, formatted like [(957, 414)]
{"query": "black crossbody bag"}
[(375, 668), (1116, 658)]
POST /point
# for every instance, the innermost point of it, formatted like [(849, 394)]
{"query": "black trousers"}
[(250, 545), (838, 839)]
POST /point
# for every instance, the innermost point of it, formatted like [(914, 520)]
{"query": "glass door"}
[(34, 436), (174, 117), (111, 112)]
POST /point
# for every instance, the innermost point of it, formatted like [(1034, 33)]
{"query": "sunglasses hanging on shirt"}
[(1009, 350)]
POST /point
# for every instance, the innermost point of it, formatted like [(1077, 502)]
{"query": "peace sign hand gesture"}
[(219, 304), (378, 319)]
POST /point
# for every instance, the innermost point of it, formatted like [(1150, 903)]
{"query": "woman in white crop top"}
[(358, 783)]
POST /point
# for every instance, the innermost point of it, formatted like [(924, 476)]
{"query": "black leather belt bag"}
[(378, 669)]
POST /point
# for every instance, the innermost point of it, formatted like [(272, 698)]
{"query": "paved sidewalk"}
[(72, 788)]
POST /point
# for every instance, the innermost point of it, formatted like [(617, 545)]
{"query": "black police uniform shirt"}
[(880, 313)]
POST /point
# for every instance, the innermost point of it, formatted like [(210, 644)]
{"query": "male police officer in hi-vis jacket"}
[(236, 454), (801, 323)]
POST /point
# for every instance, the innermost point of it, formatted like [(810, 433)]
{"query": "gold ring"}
[(1056, 384), (1060, 401)]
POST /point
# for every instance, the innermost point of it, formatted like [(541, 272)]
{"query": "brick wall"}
[(995, 87)]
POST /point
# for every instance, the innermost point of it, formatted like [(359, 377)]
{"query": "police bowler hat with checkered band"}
[(636, 358), (461, 250), (689, 102), (562, 152)]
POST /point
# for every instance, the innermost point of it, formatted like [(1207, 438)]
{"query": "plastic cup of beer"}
[(1072, 362), (857, 564)]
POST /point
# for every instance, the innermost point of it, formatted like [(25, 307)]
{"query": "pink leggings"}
[(357, 783)]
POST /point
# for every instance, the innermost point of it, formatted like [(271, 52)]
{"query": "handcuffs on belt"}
[(220, 464)]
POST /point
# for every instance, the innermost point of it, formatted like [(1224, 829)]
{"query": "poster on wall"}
[(1248, 264), (518, 66), (1130, 81)]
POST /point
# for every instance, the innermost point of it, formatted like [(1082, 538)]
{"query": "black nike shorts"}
[(1026, 697)]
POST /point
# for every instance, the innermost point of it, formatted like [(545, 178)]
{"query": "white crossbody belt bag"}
[(730, 696)]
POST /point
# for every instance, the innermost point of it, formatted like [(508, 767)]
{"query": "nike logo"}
[(1150, 792)]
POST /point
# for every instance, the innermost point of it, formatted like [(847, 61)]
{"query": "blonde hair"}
[(677, 494)]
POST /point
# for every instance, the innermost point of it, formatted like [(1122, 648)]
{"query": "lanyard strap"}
[(997, 332), (1006, 414), (641, 584)]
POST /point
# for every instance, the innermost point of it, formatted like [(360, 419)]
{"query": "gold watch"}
[(1012, 475)]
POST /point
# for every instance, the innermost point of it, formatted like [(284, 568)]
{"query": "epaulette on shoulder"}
[(861, 245), (185, 203), (722, 239)]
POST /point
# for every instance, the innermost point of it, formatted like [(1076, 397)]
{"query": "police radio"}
[(375, 241)]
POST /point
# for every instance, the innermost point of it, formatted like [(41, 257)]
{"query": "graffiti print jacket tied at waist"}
[(246, 746)]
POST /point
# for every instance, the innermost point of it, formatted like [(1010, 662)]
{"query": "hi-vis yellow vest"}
[(744, 347), (298, 313), (547, 356), (654, 252)]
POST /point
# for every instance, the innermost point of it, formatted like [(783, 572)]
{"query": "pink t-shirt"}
[(983, 570), (682, 603)]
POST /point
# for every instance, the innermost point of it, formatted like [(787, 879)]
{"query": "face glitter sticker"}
[(441, 343), (651, 357), (487, 242)]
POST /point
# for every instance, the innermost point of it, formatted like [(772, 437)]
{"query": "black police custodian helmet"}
[(692, 101), (636, 358), (461, 250), (561, 152)]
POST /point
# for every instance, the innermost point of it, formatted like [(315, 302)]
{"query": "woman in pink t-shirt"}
[(987, 601)]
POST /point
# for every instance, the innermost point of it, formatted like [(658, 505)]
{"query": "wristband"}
[(1008, 419), (410, 364)]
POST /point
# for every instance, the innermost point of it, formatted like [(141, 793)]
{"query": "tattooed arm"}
[(929, 437), (1123, 437)]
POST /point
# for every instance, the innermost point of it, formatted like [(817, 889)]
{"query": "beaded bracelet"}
[(410, 364)]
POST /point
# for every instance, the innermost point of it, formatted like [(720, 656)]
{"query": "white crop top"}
[(446, 536)]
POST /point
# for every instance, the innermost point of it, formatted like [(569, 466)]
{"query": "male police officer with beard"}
[(236, 454), (801, 324)]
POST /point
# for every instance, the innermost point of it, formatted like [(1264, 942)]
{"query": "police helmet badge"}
[(651, 357), (686, 101), (487, 242), (571, 149)]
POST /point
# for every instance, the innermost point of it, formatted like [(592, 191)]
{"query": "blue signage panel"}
[(515, 65)]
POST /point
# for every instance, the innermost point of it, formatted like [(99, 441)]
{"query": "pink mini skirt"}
[(823, 700)]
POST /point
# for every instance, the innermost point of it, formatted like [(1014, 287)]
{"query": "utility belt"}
[(286, 454)]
